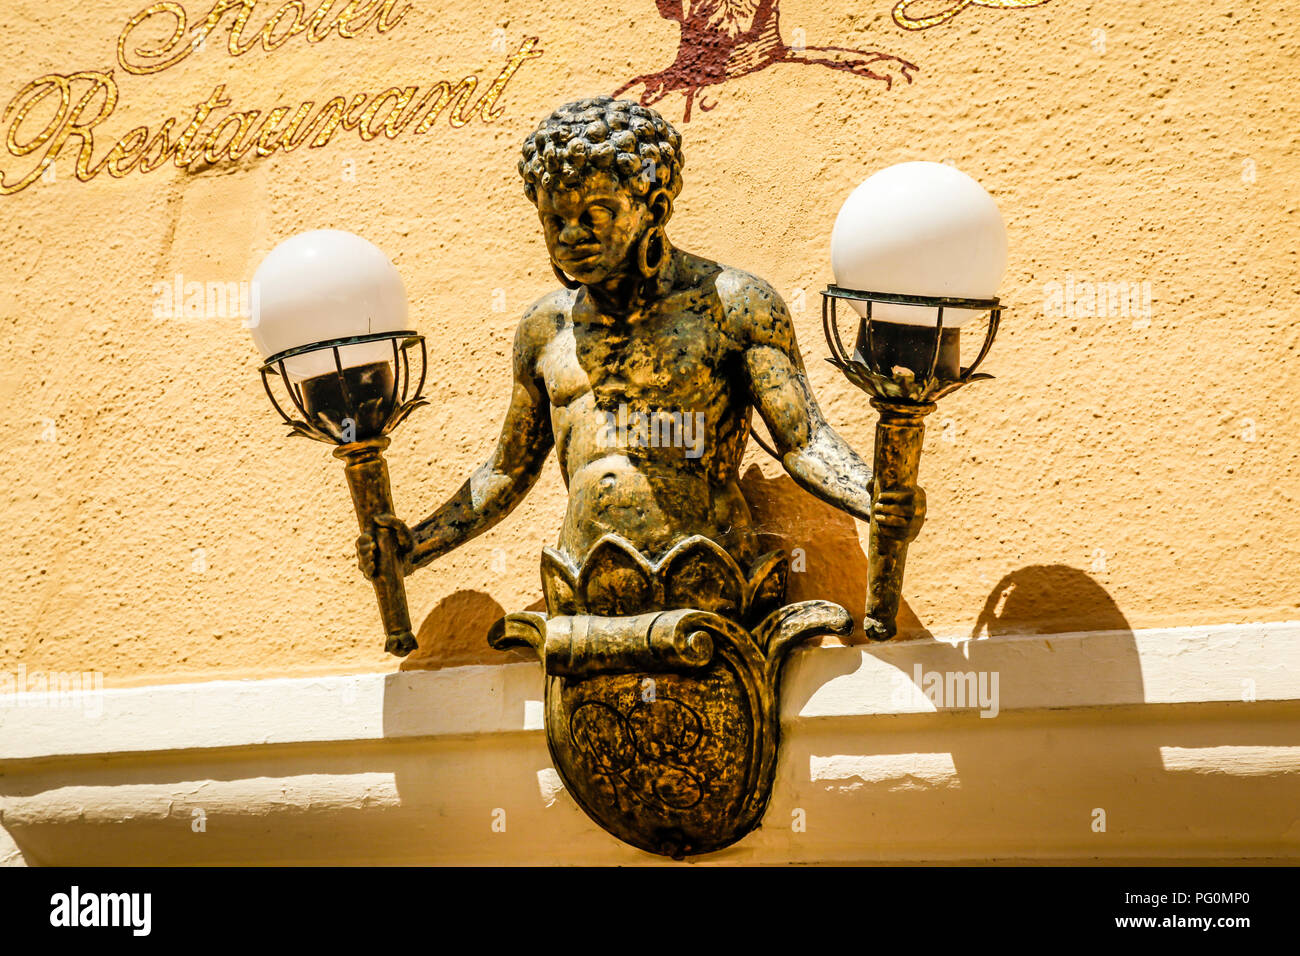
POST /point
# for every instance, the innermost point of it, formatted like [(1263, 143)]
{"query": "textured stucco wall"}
[(1124, 471)]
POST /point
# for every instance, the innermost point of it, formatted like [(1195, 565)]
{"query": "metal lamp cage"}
[(404, 400), (867, 329)]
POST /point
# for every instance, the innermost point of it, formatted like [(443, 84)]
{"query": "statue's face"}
[(591, 227)]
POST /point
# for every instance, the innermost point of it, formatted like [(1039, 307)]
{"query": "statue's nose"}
[(573, 234)]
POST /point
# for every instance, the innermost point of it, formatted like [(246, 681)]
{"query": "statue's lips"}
[(578, 259)]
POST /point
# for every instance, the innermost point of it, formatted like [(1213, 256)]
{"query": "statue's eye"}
[(597, 215)]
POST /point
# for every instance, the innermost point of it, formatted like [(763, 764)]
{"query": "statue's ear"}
[(660, 204)]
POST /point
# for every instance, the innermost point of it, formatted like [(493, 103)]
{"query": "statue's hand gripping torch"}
[(367, 475)]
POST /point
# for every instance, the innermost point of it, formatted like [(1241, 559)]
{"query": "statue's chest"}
[(675, 359)]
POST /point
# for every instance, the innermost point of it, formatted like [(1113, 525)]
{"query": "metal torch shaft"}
[(367, 474), (899, 434)]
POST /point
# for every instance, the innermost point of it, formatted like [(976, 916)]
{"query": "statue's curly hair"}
[(630, 141)]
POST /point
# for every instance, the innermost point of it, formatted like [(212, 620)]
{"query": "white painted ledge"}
[(1186, 739)]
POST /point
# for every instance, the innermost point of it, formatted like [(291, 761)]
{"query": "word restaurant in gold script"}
[(60, 114)]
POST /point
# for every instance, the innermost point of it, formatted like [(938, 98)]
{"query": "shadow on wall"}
[(454, 634), (1048, 599), (827, 561), (1037, 599), (1052, 599), (940, 782)]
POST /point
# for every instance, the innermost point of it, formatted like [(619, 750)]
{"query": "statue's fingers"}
[(366, 554), (404, 540), (895, 498), (400, 531)]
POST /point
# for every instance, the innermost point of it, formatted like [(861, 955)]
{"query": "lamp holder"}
[(937, 374), (902, 396), (361, 445), (387, 414)]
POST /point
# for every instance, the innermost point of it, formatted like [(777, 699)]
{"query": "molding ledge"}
[(1184, 741)]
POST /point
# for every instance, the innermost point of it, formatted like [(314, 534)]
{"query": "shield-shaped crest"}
[(664, 726)]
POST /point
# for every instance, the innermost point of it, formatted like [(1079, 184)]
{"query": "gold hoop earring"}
[(564, 279), (650, 252)]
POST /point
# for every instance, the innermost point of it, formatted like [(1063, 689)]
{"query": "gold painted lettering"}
[(314, 31), (74, 120), (384, 24), (292, 137), (47, 114), (215, 101), (268, 138), (82, 129), (28, 97), (444, 92), (235, 147), (290, 140), (38, 89), (487, 101), (236, 28), (360, 11), (169, 46), (242, 142), (393, 123), (162, 139), (126, 152), (147, 58), (904, 19), (340, 117), (270, 42)]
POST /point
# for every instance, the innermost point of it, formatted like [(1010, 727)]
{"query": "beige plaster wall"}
[(1122, 471)]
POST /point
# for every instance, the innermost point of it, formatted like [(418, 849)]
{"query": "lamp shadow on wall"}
[(454, 634), (827, 561), (952, 775), (1048, 599)]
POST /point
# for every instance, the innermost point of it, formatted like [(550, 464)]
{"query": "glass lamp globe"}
[(324, 288), (923, 229)]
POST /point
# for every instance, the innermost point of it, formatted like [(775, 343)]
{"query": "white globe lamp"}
[(325, 286), (920, 229), (329, 316)]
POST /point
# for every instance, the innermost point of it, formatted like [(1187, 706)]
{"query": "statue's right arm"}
[(495, 487)]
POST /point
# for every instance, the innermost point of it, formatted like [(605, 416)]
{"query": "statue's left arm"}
[(497, 486), (816, 457), (500, 483)]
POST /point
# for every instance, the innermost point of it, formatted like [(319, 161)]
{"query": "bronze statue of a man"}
[(644, 371), (665, 629)]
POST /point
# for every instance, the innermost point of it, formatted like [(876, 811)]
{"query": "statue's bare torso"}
[(649, 413)]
